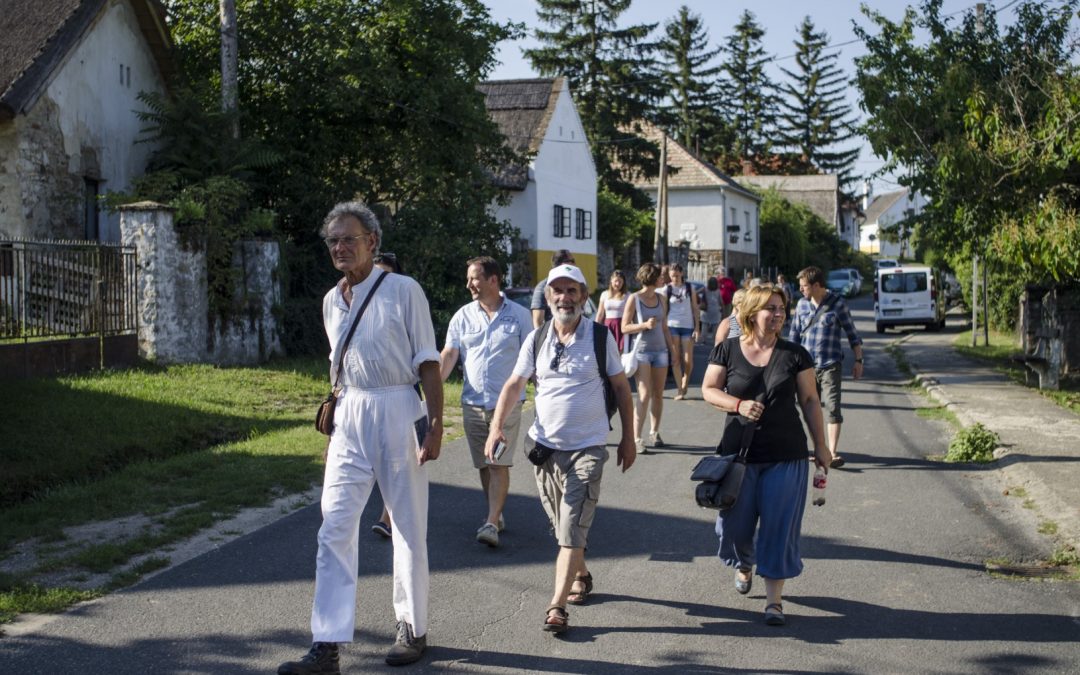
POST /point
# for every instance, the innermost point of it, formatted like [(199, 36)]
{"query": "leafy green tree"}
[(749, 93), (373, 100), (619, 223), (813, 117), (944, 111), (919, 100), (685, 57), (610, 72), (783, 232)]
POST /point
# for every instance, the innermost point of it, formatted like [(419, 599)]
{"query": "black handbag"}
[(324, 418)]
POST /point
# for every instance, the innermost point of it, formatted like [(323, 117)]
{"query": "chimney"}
[(865, 195), (747, 167)]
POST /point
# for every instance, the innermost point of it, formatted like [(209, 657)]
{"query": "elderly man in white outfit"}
[(374, 440)]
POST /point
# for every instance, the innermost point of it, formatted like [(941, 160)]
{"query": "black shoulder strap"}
[(599, 343), (749, 427), (538, 339), (825, 306), (355, 323)]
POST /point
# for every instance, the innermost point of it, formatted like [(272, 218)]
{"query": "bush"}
[(973, 444)]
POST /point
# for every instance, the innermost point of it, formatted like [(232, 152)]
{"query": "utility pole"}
[(980, 10), (660, 231), (229, 65)]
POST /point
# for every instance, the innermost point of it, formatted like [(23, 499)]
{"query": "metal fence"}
[(66, 289)]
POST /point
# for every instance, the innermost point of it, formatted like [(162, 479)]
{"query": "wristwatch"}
[(858, 360)]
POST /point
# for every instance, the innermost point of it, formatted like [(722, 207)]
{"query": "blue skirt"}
[(770, 506)]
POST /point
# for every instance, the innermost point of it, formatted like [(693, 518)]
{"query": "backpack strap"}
[(538, 339), (599, 344)]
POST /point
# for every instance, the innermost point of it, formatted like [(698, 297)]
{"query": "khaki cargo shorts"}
[(569, 486), (477, 423)]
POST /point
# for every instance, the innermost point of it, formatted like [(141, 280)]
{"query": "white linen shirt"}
[(570, 410), (393, 338), (488, 348)]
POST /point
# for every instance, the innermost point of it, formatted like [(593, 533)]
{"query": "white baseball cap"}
[(566, 272)]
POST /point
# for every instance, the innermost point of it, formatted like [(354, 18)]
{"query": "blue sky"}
[(779, 18)]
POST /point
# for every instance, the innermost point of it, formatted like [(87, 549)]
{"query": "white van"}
[(909, 295)]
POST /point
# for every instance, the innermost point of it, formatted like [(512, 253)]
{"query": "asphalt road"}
[(894, 578)]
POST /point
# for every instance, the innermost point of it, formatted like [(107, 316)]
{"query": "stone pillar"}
[(171, 285)]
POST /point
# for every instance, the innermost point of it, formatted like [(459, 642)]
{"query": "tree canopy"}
[(372, 100)]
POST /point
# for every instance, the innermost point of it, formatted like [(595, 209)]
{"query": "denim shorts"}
[(680, 332), (654, 359)]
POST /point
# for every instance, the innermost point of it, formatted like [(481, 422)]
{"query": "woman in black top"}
[(756, 378)]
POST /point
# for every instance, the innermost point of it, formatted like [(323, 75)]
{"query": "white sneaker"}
[(488, 534), (502, 523)]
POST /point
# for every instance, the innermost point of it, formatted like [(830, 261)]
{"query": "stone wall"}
[(174, 321)]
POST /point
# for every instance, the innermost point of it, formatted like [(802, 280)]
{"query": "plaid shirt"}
[(823, 338)]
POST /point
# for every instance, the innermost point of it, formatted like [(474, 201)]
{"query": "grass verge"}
[(171, 450), (999, 354)]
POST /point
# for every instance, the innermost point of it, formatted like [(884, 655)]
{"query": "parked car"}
[(845, 281), (522, 295), (951, 285)]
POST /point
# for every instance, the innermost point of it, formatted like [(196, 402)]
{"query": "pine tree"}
[(609, 71), (749, 93), (685, 57), (814, 117)]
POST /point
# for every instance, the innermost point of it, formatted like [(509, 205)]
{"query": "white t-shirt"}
[(570, 410)]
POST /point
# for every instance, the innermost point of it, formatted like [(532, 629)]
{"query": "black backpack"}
[(600, 335)]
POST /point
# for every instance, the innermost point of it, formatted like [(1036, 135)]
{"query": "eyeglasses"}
[(560, 349), (350, 242)]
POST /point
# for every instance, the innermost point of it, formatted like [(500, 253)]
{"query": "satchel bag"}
[(710, 471), (324, 417)]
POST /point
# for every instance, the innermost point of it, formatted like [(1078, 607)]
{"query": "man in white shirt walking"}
[(377, 436), (567, 441), (487, 335)]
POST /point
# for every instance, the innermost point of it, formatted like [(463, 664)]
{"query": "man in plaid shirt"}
[(819, 332)]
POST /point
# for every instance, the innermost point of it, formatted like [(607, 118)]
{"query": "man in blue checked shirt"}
[(820, 317), (487, 335)]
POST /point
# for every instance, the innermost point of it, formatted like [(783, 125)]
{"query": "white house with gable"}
[(553, 196), (70, 74), (708, 210), (886, 210)]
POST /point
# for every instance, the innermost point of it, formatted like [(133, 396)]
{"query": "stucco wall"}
[(82, 126), (564, 174), (174, 321)]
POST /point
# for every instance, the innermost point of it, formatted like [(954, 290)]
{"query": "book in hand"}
[(421, 426), (500, 448)]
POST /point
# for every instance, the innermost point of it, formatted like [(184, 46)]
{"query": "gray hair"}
[(358, 210)]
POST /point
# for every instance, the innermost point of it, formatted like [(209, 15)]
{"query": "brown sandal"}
[(579, 597), (557, 622)]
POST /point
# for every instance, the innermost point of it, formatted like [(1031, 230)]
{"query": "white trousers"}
[(373, 441)]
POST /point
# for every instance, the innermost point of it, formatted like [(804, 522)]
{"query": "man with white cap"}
[(567, 442)]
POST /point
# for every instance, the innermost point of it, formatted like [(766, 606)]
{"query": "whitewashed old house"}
[(708, 212), (553, 194), (70, 72)]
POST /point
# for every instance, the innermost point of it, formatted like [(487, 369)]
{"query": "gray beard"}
[(566, 318)]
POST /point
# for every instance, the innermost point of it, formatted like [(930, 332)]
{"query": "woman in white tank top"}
[(612, 302), (683, 323)]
